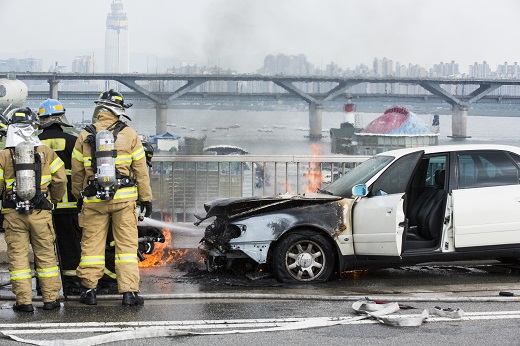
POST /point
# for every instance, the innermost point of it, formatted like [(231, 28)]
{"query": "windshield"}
[(359, 175)]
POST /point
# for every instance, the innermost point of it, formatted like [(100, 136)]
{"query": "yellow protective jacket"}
[(53, 180), (130, 161)]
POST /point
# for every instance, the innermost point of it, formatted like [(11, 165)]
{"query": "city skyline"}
[(239, 34)]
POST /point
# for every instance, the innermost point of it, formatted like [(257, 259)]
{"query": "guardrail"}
[(181, 184)]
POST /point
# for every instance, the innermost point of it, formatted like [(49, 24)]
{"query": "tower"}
[(116, 40)]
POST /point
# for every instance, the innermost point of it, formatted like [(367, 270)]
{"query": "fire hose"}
[(365, 309)]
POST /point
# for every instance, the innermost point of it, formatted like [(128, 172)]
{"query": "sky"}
[(238, 34)]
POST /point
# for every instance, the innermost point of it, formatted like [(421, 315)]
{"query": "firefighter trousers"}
[(68, 234), (94, 220), (35, 229)]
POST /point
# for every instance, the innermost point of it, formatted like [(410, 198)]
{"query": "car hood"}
[(232, 208)]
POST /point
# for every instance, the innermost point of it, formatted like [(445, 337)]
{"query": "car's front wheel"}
[(303, 256)]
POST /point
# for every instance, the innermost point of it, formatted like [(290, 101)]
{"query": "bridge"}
[(291, 86)]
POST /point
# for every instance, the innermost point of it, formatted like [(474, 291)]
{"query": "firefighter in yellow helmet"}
[(108, 162), (32, 178)]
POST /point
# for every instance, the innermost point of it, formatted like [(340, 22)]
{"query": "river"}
[(285, 132)]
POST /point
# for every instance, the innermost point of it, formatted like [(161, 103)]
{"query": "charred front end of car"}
[(245, 232), (218, 251), (218, 234)]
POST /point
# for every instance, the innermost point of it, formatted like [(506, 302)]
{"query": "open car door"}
[(378, 219)]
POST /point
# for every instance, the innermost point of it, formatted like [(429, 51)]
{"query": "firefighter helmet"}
[(52, 112), (113, 101), (112, 98), (24, 116), (22, 126), (148, 151)]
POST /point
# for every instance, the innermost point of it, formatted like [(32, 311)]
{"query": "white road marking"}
[(99, 327)]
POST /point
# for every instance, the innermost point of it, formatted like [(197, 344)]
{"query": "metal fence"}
[(181, 184)]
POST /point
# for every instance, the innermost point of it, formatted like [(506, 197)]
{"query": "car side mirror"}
[(359, 190)]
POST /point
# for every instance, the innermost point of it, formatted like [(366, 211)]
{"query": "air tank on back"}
[(106, 167), (25, 174), (13, 93)]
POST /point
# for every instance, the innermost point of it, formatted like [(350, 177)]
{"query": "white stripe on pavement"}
[(49, 328)]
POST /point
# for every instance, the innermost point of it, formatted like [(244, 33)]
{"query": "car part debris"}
[(447, 312), (371, 308), (380, 312), (506, 294), (401, 306), (404, 321)]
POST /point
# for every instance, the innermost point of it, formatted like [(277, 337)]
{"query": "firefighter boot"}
[(51, 305), (131, 298), (23, 307), (88, 296)]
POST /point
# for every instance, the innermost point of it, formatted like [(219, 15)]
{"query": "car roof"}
[(449, 148)]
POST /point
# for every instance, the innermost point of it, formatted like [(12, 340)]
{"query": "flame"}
[(353, 274), (164, 254), (288, 188), (313, 173)]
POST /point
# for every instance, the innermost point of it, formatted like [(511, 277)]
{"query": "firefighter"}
[(108, 162), (65, 214), (147, 237), (32, 178), (3, 133)]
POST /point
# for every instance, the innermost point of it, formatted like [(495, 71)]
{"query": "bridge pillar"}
[(315, 116), (161, 117), (53, 88), (459, 121)]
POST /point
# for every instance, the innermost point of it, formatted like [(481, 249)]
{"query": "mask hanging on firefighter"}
[(19, 132)]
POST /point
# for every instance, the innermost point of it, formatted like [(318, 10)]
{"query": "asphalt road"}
[(197, 308)]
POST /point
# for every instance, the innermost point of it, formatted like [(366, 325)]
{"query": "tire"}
[(303, 256)]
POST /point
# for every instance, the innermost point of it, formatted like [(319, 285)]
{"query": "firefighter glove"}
[(146, 208), (79, 203)]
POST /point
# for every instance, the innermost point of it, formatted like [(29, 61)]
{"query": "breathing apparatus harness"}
[(107, 178), (27, 194)]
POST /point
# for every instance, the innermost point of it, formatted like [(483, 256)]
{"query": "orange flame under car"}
[(164, 254)]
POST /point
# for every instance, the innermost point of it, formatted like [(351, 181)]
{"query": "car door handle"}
[(389, 210)]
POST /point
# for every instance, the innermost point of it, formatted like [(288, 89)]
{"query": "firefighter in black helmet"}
[(32, 178), (108, 162)]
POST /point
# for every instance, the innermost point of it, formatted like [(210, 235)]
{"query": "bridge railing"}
[(181, 184)]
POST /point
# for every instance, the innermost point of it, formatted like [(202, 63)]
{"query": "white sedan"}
[(401, 207)]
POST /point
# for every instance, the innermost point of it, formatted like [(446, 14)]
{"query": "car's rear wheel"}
[(303, 256)]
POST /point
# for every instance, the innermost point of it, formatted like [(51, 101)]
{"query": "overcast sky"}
[(347, 32)]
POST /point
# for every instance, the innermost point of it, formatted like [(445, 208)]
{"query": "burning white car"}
[(400, 207)]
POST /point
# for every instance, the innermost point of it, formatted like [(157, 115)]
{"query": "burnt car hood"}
[(232, 208)]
